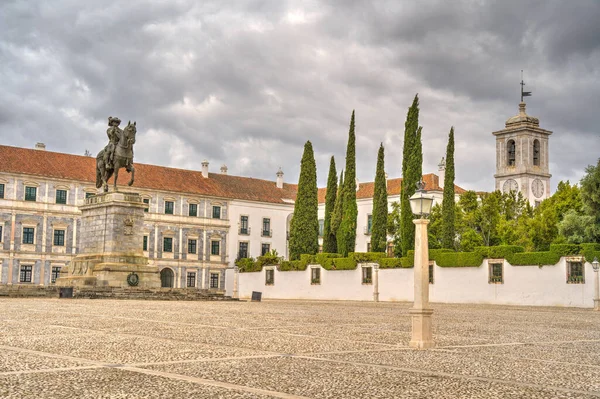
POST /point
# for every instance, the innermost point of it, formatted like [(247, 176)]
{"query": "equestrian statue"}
[(117, 154)]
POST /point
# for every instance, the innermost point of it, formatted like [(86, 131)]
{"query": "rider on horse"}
[(114, 135)]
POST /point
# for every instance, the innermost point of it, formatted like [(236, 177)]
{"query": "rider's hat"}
[(113, 119)]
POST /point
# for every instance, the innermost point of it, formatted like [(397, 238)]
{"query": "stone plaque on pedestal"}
[(111, 252)]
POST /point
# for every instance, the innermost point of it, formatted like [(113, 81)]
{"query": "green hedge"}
[(344, 264), (366, 257), (500, 251), (534, 258), (459, 259), (565, 249), (590, 251), (392, 263)]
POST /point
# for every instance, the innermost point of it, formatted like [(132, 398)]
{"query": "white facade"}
[(521, 285)]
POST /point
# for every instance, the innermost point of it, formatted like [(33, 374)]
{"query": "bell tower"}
[(522, 157)]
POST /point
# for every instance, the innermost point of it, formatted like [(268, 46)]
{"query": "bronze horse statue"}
[(122, 158)]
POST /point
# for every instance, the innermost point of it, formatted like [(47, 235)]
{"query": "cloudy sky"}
[(246, 83)]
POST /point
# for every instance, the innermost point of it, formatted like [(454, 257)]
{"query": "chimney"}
[(280, 178), (223, 169), (205, 169), (40, 146), (442, 172)]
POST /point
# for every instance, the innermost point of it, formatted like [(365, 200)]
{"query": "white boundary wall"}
[(523, 285)]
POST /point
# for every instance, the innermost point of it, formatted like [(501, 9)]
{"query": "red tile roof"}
[(366, 190), (81, 168)]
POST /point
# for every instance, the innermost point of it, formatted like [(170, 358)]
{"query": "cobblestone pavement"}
[(52, 348)]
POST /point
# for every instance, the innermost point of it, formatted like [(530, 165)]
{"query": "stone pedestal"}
[(422, 336), (111, 239)]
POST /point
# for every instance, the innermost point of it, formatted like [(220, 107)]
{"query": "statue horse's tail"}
[(99, 168)]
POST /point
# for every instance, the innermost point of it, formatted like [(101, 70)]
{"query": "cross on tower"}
[(523, 93)]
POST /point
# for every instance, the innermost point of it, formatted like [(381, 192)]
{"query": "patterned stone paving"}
[(52, 348)]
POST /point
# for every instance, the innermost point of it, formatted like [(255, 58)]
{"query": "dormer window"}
[(511, 147), (536, 152)]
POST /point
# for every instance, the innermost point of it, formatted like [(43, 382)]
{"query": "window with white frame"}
[(28, 235), (367, 275), (55, 274), (193, 210), (30, 193), (214, 280), (269, 277), (145, 243), (147, 202), (321, 227), (215, 247), (1, 190), (244, 227), (265, 248), (496, 273), (216, 212), (191, 279), (61, 196), (25, 273), (575, 274), (169, 207), (243, 249), (192, 244), (315, 275), (1, 233), (59, 238), (168, 244)]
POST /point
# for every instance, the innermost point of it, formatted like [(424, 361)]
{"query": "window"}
[(28, 234), (244, 229), (367, 275), (30, 193), (369, 224), (575, 273), (315, 276), (511, 148), (147, 202), (0, 233), (1, 190), (169, 206), (55, 274), (192, 246), (269, 277), (59, 238), (321, 227), (168, 244), (193, 211), (536, 152), (216, 212), (368, 247), (266, 227), (266, 248), (191, 279), (25, 275), (145, 244), (88, 195), (431, 273), (496, 276), (215, 247), (61, 196), (243, 250), (214, 280)]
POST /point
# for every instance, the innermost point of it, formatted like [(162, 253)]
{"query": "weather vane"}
[(523, 93)]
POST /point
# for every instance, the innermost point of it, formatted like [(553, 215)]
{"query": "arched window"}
[(536, 152), (511, 152)]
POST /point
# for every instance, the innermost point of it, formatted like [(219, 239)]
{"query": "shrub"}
[(500, 251), (292, 265), (247, 265), (344, 264), (459, 259), (390, 263), (565, 249), (534, 258), (365, 257), (590, 251), (408, 261)]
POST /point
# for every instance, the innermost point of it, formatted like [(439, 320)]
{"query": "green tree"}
[(347, 229), (304, 229), (435, 228), (380, 207), (576, 228), (448, 215), (412, 172), (394, 228), (329, 239), (338, 210), (489, 216), (590, 197), (469, 240)]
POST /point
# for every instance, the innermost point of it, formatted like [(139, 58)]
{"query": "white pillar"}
[(236, 282), (422, 337), (376, 284), (596, 290)]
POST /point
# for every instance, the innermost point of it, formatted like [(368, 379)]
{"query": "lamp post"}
[(422, 337), (596, 266)]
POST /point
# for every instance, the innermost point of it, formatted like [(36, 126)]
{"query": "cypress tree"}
[(329, 239), (380, 207), (448, 206), (412, 172), (304, 228), (338, 211), (348, 226)]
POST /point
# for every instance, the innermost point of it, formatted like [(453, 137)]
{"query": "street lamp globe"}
[(596, 264), (420, 203)]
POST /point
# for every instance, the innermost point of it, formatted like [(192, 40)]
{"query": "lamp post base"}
[(422, 336)]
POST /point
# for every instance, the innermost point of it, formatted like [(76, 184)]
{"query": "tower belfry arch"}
[(522, 155)]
